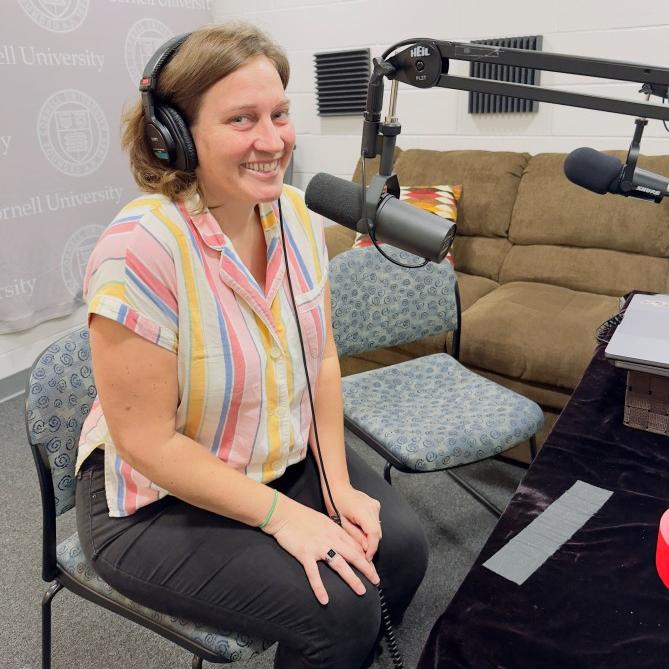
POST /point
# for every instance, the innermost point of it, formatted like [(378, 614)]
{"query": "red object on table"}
[(662, 555)]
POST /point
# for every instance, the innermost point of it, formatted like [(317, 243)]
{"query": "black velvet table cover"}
[(598, 601)]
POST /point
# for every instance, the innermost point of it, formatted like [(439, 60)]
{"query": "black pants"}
[(194, 564)]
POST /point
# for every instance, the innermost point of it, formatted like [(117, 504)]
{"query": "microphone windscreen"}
[(334, 198), (592, 169)]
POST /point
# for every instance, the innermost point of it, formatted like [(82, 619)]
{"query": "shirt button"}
[(275, 352)]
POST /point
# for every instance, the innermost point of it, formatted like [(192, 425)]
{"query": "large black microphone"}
[(397, 223), (602, 173)]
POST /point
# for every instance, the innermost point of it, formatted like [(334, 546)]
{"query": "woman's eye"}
[(246, 119)]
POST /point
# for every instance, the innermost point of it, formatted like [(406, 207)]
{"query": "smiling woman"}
[(203, 437)]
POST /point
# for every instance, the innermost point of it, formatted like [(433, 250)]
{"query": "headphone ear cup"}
[(159, 141), (185, 153)]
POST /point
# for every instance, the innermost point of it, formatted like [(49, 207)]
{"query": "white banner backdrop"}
[(67, 70)]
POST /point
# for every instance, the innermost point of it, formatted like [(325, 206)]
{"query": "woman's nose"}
[(269, 137)]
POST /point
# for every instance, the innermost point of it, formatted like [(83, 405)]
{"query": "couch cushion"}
[(471, 288), (590, 270), (489, 181), (483, 256), (534, 332), (551, 210)]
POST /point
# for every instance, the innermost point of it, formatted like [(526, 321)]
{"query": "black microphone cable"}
[(388, 630)]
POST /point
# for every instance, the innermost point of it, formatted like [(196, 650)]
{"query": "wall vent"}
[(342, 78), (484, 103)]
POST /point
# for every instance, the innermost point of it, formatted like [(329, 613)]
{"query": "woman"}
[(214, 507)]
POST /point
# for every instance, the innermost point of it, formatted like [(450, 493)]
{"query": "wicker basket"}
[(647, 402)]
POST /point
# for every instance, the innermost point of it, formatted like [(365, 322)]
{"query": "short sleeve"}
[(131, 279)]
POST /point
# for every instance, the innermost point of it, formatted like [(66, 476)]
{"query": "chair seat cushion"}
[(432, 413), (229, 646)]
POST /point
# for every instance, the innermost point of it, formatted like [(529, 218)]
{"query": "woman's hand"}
[(360, 516), (309, 535)]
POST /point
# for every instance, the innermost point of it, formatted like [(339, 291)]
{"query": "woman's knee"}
[(404, 548), (349, 628)]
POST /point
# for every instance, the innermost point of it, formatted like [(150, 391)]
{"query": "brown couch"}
[(540, 264)]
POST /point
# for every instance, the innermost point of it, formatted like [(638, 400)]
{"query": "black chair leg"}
[(495, 510), (46, 623), (533, 447), (386, 472), (197, 662), (511, 461)]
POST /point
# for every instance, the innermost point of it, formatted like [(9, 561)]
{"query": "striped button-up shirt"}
[(175, 279)]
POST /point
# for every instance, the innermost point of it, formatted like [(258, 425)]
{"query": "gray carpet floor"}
[(86, 636)]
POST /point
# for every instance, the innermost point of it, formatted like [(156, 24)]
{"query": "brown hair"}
[(206, 56)]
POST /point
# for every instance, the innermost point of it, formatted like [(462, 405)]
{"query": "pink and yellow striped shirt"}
[(175, 279)]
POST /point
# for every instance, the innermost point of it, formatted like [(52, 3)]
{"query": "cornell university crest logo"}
[(57, 16), (73, 132)]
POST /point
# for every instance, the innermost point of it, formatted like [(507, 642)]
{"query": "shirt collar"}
[(205, 224), (212, 235)]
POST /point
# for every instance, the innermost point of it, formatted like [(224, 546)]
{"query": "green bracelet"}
[(271, 510)]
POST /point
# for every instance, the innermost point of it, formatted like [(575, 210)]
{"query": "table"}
[(597, 602)]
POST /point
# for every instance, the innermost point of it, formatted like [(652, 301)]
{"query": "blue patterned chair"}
[(430, 413), (60, 393)]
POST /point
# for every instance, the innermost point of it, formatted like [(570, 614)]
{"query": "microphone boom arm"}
[(425, 63)]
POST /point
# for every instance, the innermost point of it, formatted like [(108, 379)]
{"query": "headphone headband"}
[(156, 63)]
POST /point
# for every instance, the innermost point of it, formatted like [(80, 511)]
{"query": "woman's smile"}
[(264, 170)]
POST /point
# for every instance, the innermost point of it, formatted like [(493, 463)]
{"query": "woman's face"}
[(244, 136)]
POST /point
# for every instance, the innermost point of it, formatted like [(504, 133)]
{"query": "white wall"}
[(19, 350), (438, 118)]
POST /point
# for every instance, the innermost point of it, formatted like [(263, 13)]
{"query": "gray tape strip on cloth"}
[(531, 547)]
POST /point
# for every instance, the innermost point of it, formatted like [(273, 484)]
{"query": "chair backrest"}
[(376, 304), (59, 396)]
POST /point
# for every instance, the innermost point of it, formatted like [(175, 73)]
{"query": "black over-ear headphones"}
[(165, 128)]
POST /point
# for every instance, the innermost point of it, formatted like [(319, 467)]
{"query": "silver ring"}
[(330, 555)]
